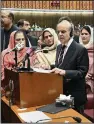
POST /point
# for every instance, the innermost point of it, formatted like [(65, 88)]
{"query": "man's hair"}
[(20, 22), (70, 21), (11, 15), (64, 18)]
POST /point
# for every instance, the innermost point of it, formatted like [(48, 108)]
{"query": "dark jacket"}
[(76, 64), (33, 40), (5, 35), (30, 40)]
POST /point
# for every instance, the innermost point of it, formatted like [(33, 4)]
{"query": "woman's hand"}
[(89, 76), (46, 67)]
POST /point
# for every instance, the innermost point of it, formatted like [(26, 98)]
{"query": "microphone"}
[(21, 65), (11, 87), (29, 51), (18, 47), (77, 119), (52, 66)]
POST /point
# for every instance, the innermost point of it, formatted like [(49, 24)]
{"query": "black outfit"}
[(5, 35), (76, 64), (76, 38), (30, 40), (33, 40)]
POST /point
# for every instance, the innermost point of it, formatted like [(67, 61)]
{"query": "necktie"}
[(61, 55)]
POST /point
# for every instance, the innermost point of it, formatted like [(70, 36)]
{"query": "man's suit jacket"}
[(33, 40), (76, 64), (5, 35)]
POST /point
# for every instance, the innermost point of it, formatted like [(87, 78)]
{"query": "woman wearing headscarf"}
[(45, 57), (8, 60), (86, 39)]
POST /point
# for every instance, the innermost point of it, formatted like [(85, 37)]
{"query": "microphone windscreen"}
[(19, 46), (52, 66), (45, 51), (77, 119)]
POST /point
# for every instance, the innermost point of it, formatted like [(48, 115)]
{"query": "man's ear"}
[(20, 26), (10, 18)]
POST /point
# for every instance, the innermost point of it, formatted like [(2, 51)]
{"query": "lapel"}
[(69, 54)]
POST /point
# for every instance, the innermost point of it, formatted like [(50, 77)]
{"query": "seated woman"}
[(86, 39), (8, 60), (45, 57)]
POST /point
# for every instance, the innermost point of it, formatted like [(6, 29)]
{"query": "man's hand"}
[(58, 71)]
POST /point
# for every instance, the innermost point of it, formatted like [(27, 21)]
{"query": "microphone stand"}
[(77, 119), (15, 58), (28, 65), (11, 86)]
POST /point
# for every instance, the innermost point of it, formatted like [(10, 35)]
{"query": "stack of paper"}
[(40, 70), (34, 117)]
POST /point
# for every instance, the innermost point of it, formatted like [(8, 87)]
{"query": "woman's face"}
[(85, 36), (48, 38), (19, 38)]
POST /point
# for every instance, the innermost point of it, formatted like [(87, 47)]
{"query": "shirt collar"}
[(69, 42)]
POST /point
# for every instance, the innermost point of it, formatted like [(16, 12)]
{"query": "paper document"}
[(34, 116), (40, 70)]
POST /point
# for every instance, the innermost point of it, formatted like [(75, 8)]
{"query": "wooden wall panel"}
[(87, 5), (71, 4), (67, 5), (91, 5), (77, 5), (20, 4), (44, 5), (40, 4), (81, 5), (48, 4), (37, 4), (30, 5), (84, 4)]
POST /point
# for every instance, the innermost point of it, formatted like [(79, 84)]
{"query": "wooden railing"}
[(55, 4)]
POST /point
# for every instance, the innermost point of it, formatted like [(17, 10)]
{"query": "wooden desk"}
[(11, 114)]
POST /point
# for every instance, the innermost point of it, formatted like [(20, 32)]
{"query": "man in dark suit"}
[(7, 19), (73, 65), (25, 26)]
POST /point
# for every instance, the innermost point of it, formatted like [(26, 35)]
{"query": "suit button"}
[(67, 92)]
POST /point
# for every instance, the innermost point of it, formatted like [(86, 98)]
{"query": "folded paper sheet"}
[(34, 116), (40, 70)]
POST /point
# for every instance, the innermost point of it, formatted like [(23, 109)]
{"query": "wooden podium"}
[(33, 88)]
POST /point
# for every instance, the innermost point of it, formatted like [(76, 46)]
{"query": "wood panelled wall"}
[(57, 4)]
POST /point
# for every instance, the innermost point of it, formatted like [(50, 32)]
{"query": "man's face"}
[(5, 19), (63, 30), (26, 25)]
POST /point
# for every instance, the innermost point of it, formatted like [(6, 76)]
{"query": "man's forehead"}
[(65, 23), (26, 22)]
